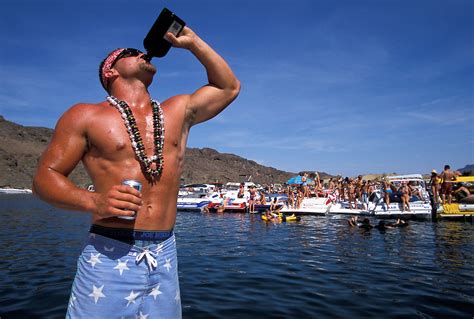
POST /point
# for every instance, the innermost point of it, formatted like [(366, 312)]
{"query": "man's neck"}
[(135, 97)]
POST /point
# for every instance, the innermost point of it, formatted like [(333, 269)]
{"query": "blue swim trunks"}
[(133, 277)]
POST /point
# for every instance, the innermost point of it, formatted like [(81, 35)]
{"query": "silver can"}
[(138, 186)]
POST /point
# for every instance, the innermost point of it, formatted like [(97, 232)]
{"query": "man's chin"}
[(148, 67)]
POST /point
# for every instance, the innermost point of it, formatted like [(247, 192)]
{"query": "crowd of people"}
[(357, 192), (354, 191)]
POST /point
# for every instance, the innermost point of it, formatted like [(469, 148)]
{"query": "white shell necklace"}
[(136, 140)]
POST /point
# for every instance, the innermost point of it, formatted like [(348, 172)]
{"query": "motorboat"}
[(310, 206), (460, 208), (344, 208), (419, 206), (195, 197), (9, 190), (229, 201)]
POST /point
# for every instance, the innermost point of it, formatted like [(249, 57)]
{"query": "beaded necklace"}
[(135, 138)]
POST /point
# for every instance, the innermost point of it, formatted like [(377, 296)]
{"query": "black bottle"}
[(155, 43)]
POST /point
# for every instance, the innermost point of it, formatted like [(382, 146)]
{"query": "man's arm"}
[(66, 149), (223, 86)]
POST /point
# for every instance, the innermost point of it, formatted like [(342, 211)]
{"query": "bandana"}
[(106, 65)]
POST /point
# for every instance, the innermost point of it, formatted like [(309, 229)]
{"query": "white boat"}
[(8, 190), (420, 208), (344, 209), (229, 202), (194, 202), (310, 206)]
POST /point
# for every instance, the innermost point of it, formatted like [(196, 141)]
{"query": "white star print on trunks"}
[(118, 280)]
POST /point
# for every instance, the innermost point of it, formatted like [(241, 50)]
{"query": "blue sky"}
[(344, 87)]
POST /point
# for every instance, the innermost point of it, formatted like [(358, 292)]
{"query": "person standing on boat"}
[(262, 200), (241, 192), (252, 198), (387, 191), (351, 190), (404, 194), (128, 267), (365, 194), (435, 186), (447, 178)]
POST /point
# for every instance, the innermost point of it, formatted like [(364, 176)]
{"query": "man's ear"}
[(111, 74)]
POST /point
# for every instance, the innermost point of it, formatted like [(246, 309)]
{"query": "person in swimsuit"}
[(352, 198), (447, 178), (128, 268), (241, 192), (364, 194), (435, 186), (387, 190), (405, 197), (461, 192), (291, 197), (299, 197), (252, 199), (263, 200)]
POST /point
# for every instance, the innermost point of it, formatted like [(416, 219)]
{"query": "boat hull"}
[(310, 206), (191, 204), (456, 211)]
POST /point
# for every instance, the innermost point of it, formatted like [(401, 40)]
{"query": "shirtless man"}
[(128, 268), (447, 176)]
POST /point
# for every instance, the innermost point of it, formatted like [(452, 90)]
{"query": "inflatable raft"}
[(281, 218)]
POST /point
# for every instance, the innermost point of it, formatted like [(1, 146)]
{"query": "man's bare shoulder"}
[(82, 113), (88, 108), (176, 101)]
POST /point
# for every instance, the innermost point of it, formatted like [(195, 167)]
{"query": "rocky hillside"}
[(21, 146)]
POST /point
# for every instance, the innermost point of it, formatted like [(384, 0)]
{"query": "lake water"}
[(236, 266)]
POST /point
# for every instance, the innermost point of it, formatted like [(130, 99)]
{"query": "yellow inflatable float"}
[(280, 217)]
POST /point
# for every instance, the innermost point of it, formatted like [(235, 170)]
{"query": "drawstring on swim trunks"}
[(150, 260)]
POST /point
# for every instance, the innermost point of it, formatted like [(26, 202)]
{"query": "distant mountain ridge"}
[(21, 147), (469, 167)]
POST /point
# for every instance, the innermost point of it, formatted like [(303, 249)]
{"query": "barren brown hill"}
[(21, 147)]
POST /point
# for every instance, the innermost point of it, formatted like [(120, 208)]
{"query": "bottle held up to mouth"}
[(155, 42)]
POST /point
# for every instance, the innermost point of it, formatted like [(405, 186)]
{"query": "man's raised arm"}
[(223, 86)]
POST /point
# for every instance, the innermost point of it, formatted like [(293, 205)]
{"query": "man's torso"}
[(110, 159)]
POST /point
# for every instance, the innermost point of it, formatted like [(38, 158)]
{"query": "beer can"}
[(138, 186)]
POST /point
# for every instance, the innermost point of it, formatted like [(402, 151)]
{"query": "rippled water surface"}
[(236, 266)]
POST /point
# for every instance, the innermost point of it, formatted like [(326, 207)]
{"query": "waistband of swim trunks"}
[(129, 235)]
